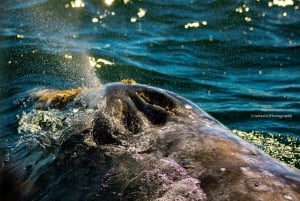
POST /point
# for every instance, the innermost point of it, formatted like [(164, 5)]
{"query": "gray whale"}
[(164, 147)]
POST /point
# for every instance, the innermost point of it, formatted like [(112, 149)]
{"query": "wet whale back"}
[(159, 125), (159, 146)]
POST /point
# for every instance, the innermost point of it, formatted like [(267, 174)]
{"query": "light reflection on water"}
[(234, 59)]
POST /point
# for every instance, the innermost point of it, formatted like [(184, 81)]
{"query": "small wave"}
[(24, 5), (44, 127), (281, 147)]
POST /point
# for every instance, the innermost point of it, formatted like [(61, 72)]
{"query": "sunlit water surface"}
[(238, 60)]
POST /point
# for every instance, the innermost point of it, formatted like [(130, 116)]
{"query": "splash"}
[(97, 63), (280, 147), (42, 127), (61, 46)]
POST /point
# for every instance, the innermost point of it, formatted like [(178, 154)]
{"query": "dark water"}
[(238, 60)]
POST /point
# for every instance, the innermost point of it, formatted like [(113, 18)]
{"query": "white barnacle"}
[(189, 107), (132, 150), (288, 197)]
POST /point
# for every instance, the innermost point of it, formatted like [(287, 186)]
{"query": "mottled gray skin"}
[(165, 147)]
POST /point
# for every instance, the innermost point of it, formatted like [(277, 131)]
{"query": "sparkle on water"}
[(283, 148)]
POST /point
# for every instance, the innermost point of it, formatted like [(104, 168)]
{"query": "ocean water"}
[(238, 60)]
